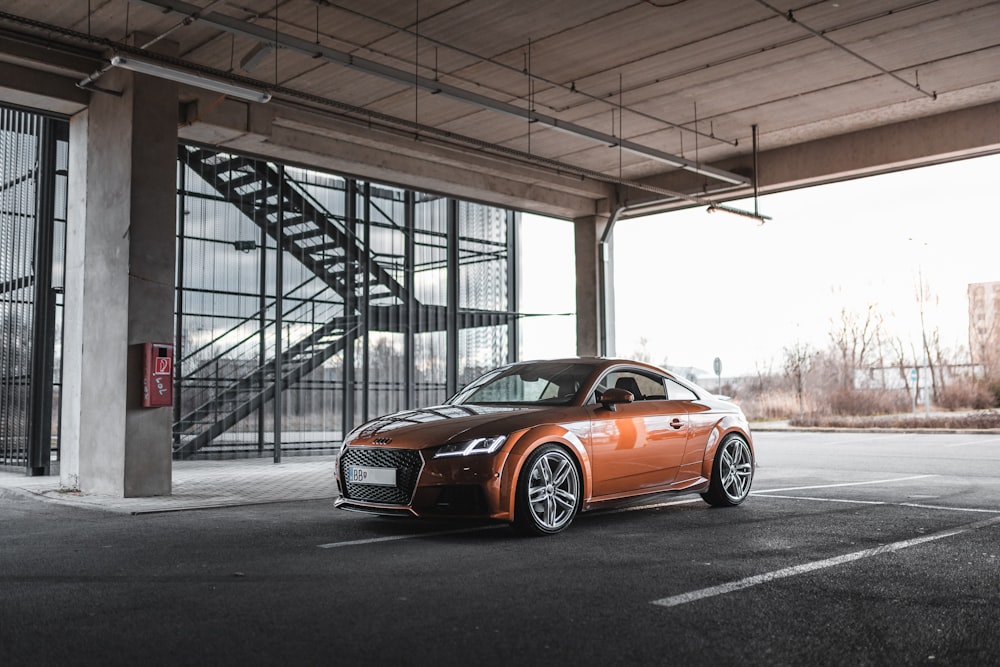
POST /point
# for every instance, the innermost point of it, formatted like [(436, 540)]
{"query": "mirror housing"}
[(611, 397)]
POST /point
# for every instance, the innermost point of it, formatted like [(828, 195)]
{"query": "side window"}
[(678, 392), (643, 387)]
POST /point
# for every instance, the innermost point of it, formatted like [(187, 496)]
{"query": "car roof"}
[(604, 364), (599, 363)]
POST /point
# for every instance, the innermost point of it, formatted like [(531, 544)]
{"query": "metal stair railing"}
[(243, 356), (254, 390), (320, 241), (250, 323)]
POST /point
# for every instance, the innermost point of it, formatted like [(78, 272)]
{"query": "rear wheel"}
[(548, 492), (732, 473)]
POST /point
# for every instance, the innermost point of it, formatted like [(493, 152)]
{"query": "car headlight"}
[(474, 446)]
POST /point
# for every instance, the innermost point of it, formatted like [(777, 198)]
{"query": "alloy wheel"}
[(736, 469), (553, 490)]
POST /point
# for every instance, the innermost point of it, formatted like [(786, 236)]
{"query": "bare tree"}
[(763, 371), (923, 294), (901, 361), (798, 362), (853, 338), (880, 345)]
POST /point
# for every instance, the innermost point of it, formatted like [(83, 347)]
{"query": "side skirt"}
[(698, 485)]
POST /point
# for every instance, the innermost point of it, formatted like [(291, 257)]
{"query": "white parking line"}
[(831, 486), (824, 500), (978, 441), (756, 580), (768, 493), (953, 509), (395, 538), (879, 502)]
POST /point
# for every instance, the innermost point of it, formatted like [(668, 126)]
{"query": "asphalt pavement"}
[(854, 549)]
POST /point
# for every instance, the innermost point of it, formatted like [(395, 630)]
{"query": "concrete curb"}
[(199, 485), (764, 428)]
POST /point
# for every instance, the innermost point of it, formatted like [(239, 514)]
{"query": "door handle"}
[(676, 423)]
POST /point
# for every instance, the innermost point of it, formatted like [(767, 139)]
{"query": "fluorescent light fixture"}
[(181, 76), (714, 208)]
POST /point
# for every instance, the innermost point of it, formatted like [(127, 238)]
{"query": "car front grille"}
[(407, 463)]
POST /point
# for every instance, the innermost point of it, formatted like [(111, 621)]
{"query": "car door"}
[(640, 445), (701, 423)]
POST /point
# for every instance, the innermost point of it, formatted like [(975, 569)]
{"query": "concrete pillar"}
[(593, 317), (120, 256)]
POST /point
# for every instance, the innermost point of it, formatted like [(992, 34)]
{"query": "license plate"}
[(377, 476)]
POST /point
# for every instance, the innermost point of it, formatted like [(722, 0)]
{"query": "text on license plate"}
[(363, 475)]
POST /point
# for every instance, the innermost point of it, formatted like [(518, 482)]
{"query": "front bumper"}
[(454, 486)]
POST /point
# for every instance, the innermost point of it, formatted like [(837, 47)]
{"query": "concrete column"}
[(120, 255), (589, 293)]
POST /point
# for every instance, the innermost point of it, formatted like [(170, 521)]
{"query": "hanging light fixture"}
[(715, 208), (181, 76)]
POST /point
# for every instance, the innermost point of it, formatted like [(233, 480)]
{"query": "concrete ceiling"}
[(564, 107)]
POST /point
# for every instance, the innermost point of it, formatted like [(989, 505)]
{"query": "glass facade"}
[(309, 302), (306, 302)]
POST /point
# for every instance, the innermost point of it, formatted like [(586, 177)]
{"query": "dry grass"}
[(981, 419), (867, 402), (768, 405), (967, 395)]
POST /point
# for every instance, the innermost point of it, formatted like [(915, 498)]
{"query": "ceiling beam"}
[(954, 135), (41, 90), (298, 136), (312, 49)]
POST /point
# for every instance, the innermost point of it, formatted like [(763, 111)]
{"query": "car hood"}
[(438, 425)]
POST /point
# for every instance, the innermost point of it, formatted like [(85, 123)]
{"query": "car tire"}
[(548, 493), (732, 473)]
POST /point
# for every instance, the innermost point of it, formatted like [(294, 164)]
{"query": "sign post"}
[(717, 367)]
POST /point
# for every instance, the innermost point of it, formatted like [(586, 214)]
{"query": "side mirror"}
[(611, 397)]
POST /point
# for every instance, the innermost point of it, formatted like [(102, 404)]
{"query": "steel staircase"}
[(232, 383), (320, 241), (242, 396)]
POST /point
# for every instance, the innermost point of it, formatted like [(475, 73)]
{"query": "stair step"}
[(307, 234), (245, 179), (265, 193), (227, 163), (330, 245), (335, 256)]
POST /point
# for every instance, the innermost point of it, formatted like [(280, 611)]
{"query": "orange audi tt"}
[(534, 443)]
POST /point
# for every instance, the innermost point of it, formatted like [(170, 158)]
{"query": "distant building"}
[(984, 326)]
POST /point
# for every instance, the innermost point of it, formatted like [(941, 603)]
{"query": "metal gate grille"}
[(33, 155)]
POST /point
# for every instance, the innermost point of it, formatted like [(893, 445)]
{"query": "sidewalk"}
[(205, 484)]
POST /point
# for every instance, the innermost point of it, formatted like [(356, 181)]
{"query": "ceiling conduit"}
[(236, 26), (445, 137)]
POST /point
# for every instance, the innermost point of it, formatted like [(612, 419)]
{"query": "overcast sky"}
[(697, 286)]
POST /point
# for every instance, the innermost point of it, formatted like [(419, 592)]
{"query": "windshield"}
[(548, 383)]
